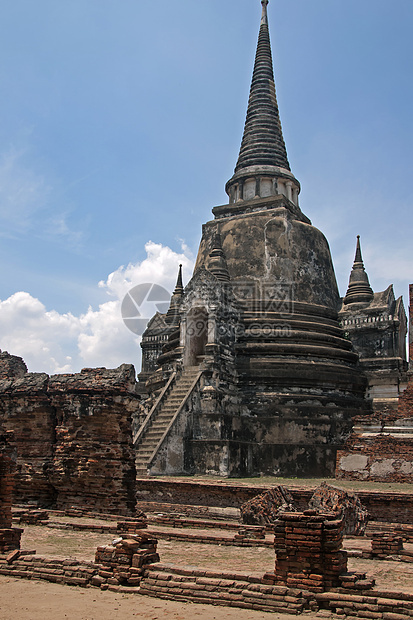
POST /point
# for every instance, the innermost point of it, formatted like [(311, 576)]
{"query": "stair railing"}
[(176, 414), (153, 412)]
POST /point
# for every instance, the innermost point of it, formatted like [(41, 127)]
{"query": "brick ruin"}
[(9, 536), (310, 572), (380, 447), (72, 435), (265, 507), (122, 562), (229, 387)]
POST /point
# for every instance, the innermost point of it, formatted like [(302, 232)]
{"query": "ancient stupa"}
[(256, 376)]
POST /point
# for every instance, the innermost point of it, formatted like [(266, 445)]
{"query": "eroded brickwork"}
[(93, 464), (381, 446), (308, 548), (72, 435), (9, 536), (381, 449), (122, 562)]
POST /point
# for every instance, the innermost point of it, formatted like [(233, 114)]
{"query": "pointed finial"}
[(264, 11), (358, 257), (179, 284), (262, 142)]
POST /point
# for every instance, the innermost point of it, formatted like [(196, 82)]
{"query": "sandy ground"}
[(55, 543), (21, 599)]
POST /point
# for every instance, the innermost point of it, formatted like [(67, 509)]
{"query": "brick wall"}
[(9, 537), (410, 326), (198, 499), (72, 434), (381, 458)]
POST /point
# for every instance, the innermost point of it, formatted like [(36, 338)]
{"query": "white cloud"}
[(52, 342), (160, 267)]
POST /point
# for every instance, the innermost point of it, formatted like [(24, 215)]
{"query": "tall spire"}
[(262, 169), (359, 289), (263, 142)]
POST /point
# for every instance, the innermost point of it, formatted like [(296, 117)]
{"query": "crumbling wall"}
[(9, 536), (379, 459), (72, 435), (6, 483), (93, 457), (26, 409), (11, 366), (380, 449)]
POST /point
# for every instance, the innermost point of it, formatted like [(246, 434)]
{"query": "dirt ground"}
[(40, 600), (57, 543), (21, 599)]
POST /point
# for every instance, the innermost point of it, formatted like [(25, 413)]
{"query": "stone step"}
[(148, 445), (163, 417), (162, 420), (149, 442), (145, 455), (160, 423), (153, 434)]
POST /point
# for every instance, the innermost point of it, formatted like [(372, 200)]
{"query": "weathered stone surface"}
[(280, 382)]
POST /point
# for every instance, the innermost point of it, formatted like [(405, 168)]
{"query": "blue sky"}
[(120, 123)]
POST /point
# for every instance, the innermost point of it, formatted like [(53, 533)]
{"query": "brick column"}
[(308, 550)]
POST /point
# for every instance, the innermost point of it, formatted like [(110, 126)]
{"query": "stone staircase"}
[(161, 416)]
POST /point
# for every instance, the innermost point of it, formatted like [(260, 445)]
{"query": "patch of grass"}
[(354, 485)]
